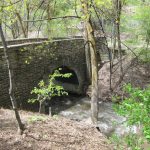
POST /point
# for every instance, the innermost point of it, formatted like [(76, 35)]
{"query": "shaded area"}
[(73, 79), (62, 103)]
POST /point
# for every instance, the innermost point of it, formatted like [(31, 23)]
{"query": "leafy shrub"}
[(131, 141), (36, 118), (144, 55), (136, 108), (47, 91)]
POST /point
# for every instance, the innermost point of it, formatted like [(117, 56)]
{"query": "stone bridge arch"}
[(74, 83)]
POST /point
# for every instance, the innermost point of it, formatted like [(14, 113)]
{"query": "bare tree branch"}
[(4, 6), (53, 18)]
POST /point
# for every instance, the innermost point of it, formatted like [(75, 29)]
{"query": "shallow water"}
[(78, 108)]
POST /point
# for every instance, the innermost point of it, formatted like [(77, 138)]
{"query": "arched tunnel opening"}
[(73, 79)]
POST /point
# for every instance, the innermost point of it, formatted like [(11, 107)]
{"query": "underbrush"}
[(136, 108), (144, 55)]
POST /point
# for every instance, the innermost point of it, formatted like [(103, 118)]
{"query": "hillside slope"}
[(48, 133)]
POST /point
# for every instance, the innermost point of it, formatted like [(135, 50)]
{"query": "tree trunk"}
[(87, 55), (118, 14), (28, 17), (11, 82), (21, 23), (14, 30), (94, 63), (42, 107)]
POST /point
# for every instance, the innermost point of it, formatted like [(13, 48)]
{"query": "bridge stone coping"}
[(36, 40)]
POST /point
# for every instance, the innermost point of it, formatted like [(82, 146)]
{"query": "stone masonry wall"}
[(33, 61)]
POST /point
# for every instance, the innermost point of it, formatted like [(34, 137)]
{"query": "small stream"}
[(78, 108)]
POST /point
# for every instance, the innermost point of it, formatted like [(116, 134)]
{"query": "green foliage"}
[(133, 2), (131, 141), (144, 55), (40, 10), (117, 142), (134, 142), (36, 118), (143, 16), (135, 22), (102, 3), (136, 107), (47, 91)]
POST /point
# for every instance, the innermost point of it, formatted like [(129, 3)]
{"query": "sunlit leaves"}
[(143, 15), (102, 3), (51, 89), (136, 107)]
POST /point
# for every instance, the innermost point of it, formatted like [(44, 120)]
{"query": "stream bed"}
[(78, 108)]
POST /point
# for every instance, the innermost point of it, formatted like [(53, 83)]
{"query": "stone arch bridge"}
[(34, 59)]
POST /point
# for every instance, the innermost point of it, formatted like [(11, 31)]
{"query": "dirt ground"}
[(48, 133)]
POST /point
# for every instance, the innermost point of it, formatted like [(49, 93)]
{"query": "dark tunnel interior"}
[(73, 79)]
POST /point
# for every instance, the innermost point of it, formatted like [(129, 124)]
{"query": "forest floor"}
[(48, 133), (134, 72)]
